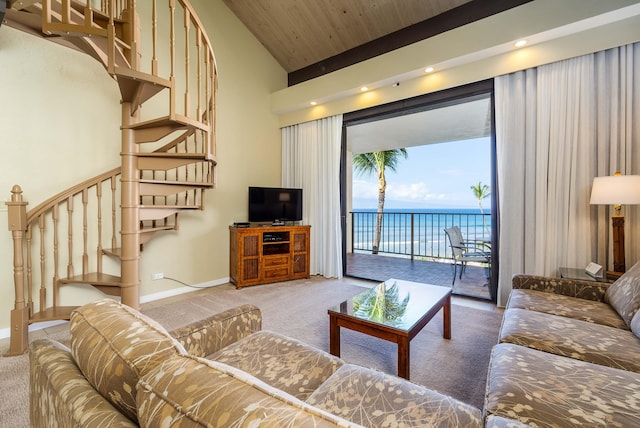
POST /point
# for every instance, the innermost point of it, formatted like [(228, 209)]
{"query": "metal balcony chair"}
[(466, 251)]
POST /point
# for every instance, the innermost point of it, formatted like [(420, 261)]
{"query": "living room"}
[(63, 125), (243, 92)]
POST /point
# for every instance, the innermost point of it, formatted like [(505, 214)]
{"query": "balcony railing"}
[(416, 234)]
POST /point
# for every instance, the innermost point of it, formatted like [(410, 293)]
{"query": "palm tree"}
[(481, 191), (378, 162)]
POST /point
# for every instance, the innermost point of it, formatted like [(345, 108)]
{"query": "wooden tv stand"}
[(259, 255)]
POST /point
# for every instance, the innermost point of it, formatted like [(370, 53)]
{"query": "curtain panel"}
[(311, 161), (557, 127)]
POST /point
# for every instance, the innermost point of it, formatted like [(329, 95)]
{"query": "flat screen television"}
[(274, 204)]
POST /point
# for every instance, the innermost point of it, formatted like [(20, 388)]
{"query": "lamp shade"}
[(616, 189)]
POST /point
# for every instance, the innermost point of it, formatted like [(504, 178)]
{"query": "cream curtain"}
[(557, 127), (311, 161)]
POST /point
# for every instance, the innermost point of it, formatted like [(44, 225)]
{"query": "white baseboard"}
[(5, 332), (182, 290)]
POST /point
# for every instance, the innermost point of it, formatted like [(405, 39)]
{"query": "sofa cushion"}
[(190, 391), (565, 306), (542, 389), (114, 346), (595, 343), (375, 399), (624, 294), (280, 361)]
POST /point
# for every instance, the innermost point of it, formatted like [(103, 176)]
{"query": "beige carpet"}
[(456, 367)]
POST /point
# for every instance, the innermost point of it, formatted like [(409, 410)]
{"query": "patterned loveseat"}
[(123, 370), (569, 354)]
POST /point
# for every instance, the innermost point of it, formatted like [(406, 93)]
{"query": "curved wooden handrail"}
[(209, 112), (44, 206), (196, 20)]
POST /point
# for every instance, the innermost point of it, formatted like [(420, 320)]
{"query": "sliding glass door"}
[(438, 173)]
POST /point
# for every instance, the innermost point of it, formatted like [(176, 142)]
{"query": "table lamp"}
[(616, 190)]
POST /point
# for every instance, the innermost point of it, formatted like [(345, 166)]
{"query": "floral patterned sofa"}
[(124, 370), (569, 354)]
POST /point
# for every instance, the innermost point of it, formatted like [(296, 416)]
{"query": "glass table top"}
[(580, 274), (394, 303)]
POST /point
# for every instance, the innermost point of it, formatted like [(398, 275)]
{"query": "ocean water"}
[(418, 231)]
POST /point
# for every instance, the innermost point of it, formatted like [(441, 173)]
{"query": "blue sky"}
[(433, 176)]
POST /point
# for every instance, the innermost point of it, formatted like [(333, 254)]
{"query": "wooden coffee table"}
[(394, 310)]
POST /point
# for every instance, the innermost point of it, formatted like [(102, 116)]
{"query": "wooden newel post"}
[(17, 210)]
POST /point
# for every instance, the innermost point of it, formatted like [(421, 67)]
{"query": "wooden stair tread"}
[(178, 183), (158, 128), (176, 121), (93, 278), (168, 162), (170, 155), (142, 76), (115, 252), (157, 228), (53, 314), (171, 207), (137, 86)]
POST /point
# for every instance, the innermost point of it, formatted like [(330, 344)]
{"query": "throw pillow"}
[(114, 345), (635, 324), (624, 294)]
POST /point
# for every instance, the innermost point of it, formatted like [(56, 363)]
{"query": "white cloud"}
[(412, 192), (409, 195)]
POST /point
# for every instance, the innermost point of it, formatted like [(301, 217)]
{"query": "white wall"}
[(60, 118), (248, 150)]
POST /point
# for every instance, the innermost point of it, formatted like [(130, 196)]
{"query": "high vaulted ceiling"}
[(299, 33), (303, 34)]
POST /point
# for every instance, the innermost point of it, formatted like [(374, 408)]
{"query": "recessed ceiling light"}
[(313, 103), (520, 43), (364, 88), (428, 70)]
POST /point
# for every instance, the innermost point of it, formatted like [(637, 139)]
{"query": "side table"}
[(581, 275)]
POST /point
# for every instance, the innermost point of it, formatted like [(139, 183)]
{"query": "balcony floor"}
[(380, 268)]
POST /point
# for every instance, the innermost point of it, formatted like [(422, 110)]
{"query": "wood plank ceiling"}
[(299, 33), (309, 38)]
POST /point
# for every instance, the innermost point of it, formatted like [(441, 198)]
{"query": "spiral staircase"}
[(167, 162)]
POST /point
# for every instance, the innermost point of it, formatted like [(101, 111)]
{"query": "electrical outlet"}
[(158, 275)]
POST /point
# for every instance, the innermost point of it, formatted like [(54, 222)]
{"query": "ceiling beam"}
[(457, 17)]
